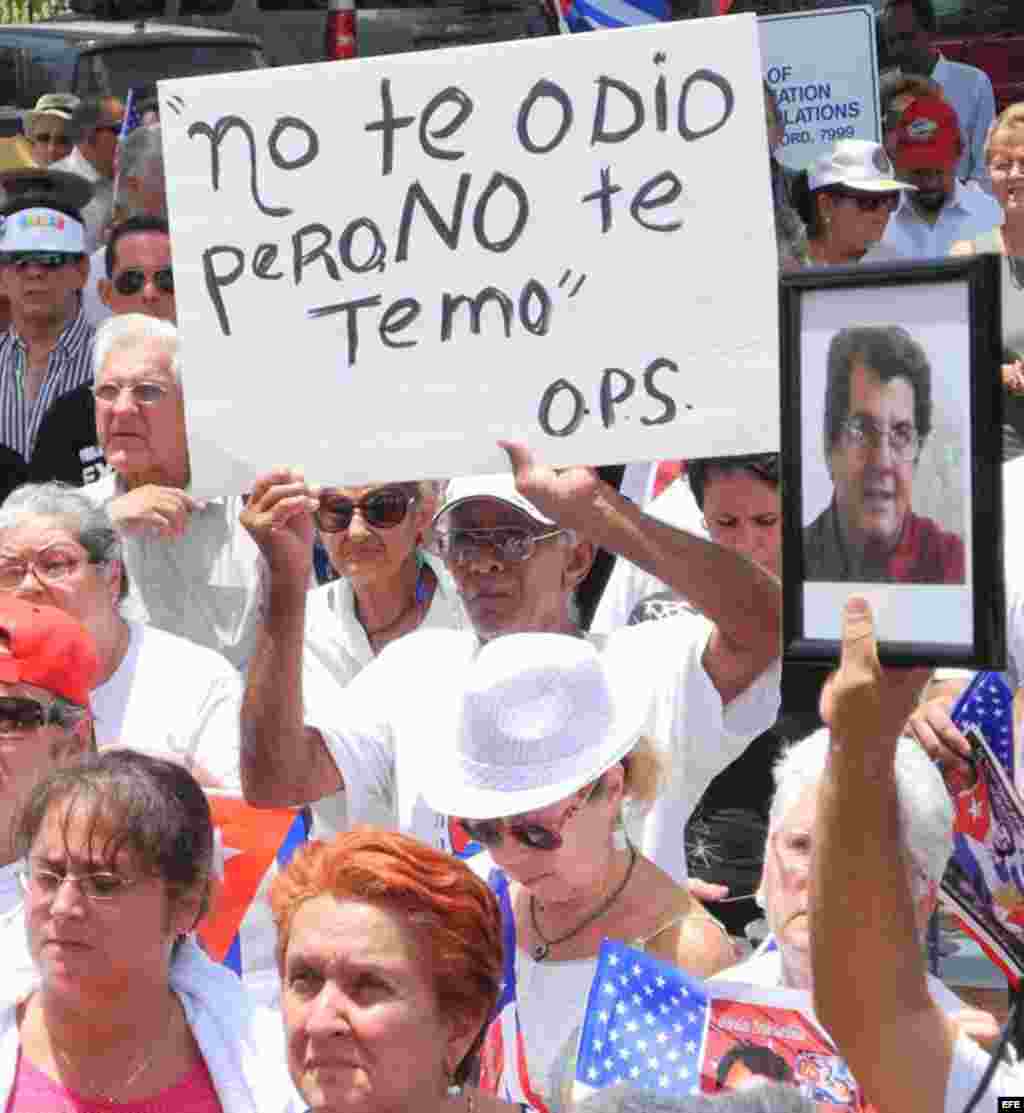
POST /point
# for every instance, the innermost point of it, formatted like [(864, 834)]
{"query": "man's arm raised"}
[(870, 989), (740, 598), (283, 762)]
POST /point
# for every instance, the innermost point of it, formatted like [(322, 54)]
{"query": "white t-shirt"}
[(336, 649), (966, 1069), (206, 586), (383, 729), (765, 968), (172, 699), (629, 584)]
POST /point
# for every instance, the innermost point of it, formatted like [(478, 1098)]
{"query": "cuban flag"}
[(987, 704), (253, 844), (599, 15), (650, 1026)]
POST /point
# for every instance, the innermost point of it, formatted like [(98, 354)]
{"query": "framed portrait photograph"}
[(892, 459)]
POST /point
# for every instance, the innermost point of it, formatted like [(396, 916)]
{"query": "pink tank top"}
[(36, 1092)]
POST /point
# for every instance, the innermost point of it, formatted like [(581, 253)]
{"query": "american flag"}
[(987, 704), (653, 1027)]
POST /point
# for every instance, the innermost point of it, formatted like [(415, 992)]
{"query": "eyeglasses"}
[(381, 509), (143, 394), (534, 836), (128, 283), (904, 442), (50, 260), (870, 203), (1003, 168), (43, 884), (510, 544), (49, 567), (46, 138), (22, 713)]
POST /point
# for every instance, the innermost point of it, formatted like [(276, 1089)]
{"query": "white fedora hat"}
[(540, 718)]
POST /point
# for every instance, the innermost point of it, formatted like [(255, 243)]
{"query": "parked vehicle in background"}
[(96, 58), (297, 31)]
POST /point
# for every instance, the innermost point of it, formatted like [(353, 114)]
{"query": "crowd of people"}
[(494, 786)]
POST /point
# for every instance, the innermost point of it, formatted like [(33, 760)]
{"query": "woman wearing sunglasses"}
[(387, 587), (845, 199), (545, 759)]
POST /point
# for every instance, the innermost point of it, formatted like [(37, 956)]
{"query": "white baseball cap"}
[(856, 164), (500, 486), (41, 229)]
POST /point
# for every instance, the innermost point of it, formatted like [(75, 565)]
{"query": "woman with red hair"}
[(390, 960)]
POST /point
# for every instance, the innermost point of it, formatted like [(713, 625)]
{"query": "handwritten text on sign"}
[(385, 266)]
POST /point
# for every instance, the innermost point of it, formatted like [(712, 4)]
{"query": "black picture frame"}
[(952, 309)]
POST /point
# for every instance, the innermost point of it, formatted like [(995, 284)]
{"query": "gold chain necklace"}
[(100, 1094), (542, 949)]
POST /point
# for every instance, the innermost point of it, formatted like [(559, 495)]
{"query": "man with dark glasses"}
[(138, 265), (48, 665), (517, 547), (46, 352), (95, 126)]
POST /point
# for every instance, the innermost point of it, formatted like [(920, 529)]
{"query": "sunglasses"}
[(21, 713), (510, 544), (871, 203), (51, 260), (128, 283), (534, 836), (115, 127), (58, 140), (382, 509)]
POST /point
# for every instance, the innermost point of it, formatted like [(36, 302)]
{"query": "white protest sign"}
[(823, 67), (382, 267)]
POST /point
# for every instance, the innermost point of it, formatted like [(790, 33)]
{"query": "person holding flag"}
[(546, 754)]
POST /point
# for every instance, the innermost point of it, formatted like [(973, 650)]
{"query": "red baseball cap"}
[(48, 648), (928, 135)]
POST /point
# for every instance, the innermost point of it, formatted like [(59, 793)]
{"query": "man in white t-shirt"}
[(903, 1049), (48, 664), (517, 549)]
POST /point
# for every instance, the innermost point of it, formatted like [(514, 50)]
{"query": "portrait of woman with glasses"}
[(845, 199), (878, 416), (123, 1010)]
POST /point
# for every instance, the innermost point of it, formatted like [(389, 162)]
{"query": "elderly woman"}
[(388, 585), (59, 548), (121, 1008), (538, 771), (390, 961), (926, 813), (844, 200), (1004, 155)]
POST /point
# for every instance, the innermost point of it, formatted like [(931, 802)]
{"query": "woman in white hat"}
[(845, 199), (546, 755)]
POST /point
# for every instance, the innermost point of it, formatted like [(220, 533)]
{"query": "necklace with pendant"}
[(541, 950), (111, 1098)]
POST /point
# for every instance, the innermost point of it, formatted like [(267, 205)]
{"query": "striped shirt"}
[(69, 366)]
